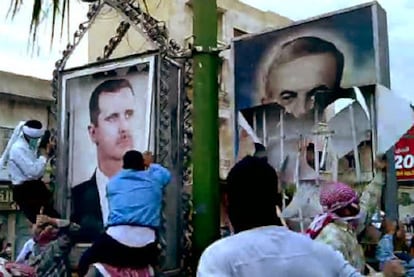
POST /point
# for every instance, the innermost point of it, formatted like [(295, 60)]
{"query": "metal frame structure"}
[(173, 124), (382, 76)]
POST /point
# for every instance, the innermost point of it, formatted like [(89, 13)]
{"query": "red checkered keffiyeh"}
[(319, 223), (47, 235), (333, 196), (16, 269), (112, 271)]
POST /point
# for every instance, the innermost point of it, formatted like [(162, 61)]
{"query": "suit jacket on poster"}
[(86, 210)]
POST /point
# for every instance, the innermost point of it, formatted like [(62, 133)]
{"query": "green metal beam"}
[(206, 220)]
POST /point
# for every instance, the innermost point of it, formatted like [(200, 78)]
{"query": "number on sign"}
[(398, 162), (408, 161), (405, 162)]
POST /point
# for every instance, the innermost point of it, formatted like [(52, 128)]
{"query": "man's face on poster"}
[(294, 84), (113, 133)]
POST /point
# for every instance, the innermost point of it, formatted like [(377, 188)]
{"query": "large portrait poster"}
[(110, 111), (286, 66), (105, 109), (304, 92), (283, 76)]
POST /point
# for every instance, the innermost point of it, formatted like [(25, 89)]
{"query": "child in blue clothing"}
[(135, 199), (386, 248)]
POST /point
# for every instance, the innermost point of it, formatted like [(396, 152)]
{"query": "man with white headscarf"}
[(26, 168)]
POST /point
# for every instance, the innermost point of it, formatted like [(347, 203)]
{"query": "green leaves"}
[(41, 12), (37, 9)]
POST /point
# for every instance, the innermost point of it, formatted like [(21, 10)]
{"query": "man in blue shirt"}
[(135, 200)]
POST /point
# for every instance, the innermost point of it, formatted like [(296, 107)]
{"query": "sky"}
[(16, 57), (15, 54)]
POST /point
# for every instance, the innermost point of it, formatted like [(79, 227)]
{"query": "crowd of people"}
[(409, 223), (261, 246), (261, 243), (128, 244)]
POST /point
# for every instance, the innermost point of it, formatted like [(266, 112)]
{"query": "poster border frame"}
[(294, 24), (168, 100), (83, 71), (379, 43)]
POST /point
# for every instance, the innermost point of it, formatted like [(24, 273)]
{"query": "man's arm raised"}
[(161, 173)]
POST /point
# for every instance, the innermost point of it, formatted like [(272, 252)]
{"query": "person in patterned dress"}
[(346, 215), (49, 256)]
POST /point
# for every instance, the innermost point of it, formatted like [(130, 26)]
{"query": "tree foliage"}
[(41, 9)]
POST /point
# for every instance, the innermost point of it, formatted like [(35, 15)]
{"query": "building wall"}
[(13, 111), (22, 98), (178, 17)]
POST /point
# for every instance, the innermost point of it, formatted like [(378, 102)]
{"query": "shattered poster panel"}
[(287, 66), (303, 92), (287, 83)]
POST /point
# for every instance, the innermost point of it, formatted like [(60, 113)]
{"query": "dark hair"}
[(304, 46), (112, 86), (310, 147), (133, 160), (252, 193), (400, 244), (45, 139), (35, 124), (260, 150)]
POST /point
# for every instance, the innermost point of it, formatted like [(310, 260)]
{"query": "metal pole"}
[(390, 191), (282, 154), (355, 144), (264, 124), (206, 221)]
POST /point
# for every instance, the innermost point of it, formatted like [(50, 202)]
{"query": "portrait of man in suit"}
[(112, 115)]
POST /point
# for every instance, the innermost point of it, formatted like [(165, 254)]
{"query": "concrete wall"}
[(22, 98), (12, 112), (179, 20)]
